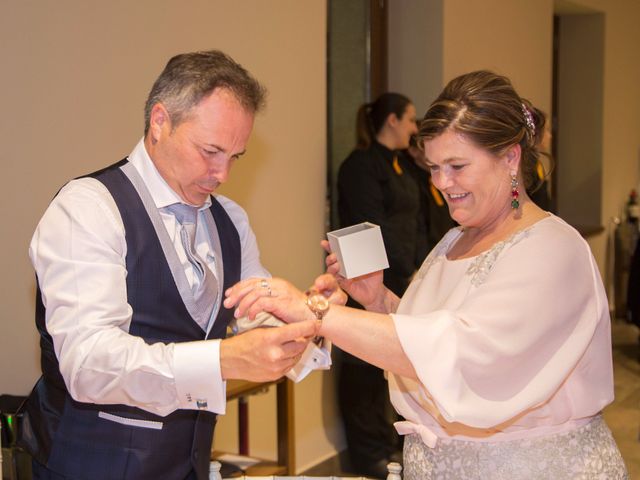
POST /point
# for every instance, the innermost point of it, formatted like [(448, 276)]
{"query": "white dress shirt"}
[(78, 251)]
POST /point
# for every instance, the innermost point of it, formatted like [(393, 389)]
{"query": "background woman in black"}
[(376, 184)]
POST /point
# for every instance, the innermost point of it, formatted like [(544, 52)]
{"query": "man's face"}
[(195, 157)]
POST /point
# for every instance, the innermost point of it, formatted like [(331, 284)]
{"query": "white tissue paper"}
[(317, 356)]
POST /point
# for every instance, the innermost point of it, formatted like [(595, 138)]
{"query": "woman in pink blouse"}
[(499, 352)]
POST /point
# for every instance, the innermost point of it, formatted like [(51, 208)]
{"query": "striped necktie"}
[(205, 285)]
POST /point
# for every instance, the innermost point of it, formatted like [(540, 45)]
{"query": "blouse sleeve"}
[(516, 337)]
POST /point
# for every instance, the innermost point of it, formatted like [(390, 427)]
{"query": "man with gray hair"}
[(132, 263)]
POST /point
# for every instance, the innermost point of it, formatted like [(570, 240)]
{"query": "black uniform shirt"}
[(375, 185)]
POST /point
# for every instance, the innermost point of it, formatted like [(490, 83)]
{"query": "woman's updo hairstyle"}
[(372, 116), (485, 108)]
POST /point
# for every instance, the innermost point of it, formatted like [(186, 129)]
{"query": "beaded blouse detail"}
[(481, 265)]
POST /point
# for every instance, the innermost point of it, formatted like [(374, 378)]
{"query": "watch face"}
[(318, 302), (321, 302)]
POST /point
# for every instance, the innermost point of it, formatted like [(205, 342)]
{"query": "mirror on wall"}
[(357, 72), (577, 121)]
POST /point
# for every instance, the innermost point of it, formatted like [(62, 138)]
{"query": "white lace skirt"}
[(586, 453)]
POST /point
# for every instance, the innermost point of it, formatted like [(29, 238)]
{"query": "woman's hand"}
[(368, 290), (273, 295), (327, 284)]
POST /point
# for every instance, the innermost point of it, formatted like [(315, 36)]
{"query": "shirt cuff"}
[(315, 357), (198, 377)]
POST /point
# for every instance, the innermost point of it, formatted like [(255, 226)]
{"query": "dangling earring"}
[(514, 192)]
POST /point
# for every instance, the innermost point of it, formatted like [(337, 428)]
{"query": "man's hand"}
[(265, 354), (274, 295)]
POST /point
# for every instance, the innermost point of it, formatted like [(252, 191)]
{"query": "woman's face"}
[(404, 127), (475, 183)]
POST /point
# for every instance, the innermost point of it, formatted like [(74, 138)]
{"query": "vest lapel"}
[(179, 276)]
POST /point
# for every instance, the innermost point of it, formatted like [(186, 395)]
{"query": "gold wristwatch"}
[(319, 305)]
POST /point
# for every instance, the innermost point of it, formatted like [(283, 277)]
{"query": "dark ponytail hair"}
[(372, 116)]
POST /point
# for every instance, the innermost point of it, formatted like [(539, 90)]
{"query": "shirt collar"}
[(161, 193), (386, 152)]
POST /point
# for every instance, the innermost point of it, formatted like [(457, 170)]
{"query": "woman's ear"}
[(392, 120), (513, 156)]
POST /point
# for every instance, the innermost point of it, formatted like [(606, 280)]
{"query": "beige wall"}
[(509, 37), (432, 41), (75, 76)]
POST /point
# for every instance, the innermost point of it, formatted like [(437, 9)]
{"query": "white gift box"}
[(359, 248)]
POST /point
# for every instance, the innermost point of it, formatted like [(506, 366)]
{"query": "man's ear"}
[(159, 121)]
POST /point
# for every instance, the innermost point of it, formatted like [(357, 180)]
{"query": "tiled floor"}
[(623, 415)]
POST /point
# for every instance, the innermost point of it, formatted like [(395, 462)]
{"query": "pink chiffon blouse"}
[(512, 343)]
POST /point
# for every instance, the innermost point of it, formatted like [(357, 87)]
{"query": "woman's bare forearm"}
[(387, 303), (369, 336)]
